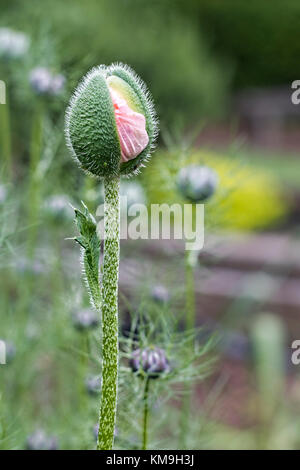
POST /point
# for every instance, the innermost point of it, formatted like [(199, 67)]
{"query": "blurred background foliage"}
[(244, 200)]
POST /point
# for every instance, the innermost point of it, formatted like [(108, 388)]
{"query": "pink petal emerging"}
[(131, 128)]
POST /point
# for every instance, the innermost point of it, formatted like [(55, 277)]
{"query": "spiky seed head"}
[(111, 124), (152, 361)]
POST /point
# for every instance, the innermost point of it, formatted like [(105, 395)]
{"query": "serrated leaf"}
[(90, 244)]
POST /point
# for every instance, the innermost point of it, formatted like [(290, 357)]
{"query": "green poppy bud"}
[(110, 123)]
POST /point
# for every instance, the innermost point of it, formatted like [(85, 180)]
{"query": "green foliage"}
[(166, 49), (244, 198)]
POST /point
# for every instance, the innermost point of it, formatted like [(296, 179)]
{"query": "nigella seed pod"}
[(110, 123), (85, 319), (152, 361), (197, 183), (39, 440)]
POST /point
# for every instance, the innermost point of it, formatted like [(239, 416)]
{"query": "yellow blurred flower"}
[(246, 199)]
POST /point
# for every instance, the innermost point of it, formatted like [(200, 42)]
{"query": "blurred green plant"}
[(244, 200), (187, 81)]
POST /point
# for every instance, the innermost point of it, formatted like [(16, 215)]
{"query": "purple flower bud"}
[(152, 361), (39, 440), (197, 183), (40, 80), (44, 83), (160, 294), (85, 319), (93, 384)]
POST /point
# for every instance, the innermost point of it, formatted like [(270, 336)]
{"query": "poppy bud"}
[(110, 123), (197, 183), (152, 361)]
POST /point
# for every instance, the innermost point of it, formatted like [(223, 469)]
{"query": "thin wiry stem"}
[(146, 414), (190, 324)]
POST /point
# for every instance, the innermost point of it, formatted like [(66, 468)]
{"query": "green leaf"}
[(90, 244)]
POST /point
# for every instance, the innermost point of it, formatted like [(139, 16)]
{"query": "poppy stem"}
[(110, 276)]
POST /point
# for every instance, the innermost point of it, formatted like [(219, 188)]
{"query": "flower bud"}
[(39, 440), (110, 123), (85, 319), (43, 82), (152, 361), (197, 183)]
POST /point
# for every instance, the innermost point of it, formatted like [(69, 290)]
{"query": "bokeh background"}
[(220, 74)]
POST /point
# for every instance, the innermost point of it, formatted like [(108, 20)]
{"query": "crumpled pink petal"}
[(131, 128)]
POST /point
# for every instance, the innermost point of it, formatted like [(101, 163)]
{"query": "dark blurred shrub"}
[(260, 38)]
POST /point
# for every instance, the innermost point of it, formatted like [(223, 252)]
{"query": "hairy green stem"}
[(110, 277), (146, 414)]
